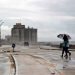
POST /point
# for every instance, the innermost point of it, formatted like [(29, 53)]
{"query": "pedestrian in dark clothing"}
[(65, 47), (13, 46)]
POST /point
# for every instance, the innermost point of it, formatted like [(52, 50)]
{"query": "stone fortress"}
[(20, 34)]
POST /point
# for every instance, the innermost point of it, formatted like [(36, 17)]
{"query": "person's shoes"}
[(69, 54), (61, 56), (66, 56)]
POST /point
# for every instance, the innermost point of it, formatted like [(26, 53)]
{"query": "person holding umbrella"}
[(65, 46), (65, 38)]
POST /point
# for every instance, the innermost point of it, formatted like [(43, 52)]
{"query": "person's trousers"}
[(65, 49)]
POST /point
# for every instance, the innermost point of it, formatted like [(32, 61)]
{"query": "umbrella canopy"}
[(62, 35)]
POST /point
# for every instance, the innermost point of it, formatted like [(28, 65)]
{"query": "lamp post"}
[(0, 30)]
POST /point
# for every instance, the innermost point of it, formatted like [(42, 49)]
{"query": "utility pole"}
[(1, 23)]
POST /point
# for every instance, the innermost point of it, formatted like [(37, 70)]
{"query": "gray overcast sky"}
[(50, 17)]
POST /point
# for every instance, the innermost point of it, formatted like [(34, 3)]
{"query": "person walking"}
[(13, 46), (65, 47)]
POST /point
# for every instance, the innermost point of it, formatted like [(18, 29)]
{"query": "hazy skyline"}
[(50, 17)]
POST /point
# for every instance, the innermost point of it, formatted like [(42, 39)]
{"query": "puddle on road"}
[(70, 63), (61, 64), (4, 64)]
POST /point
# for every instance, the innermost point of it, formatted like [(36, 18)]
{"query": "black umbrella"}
[(62, 35)]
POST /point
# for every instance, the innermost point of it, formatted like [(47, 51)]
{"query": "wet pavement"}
[(36, 61), (4, 64), (29, 66), (52, 60)]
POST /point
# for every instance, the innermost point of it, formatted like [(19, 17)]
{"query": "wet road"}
[(29, 60), (36, 61), (4, 64), (30, 66), (7, 65)]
